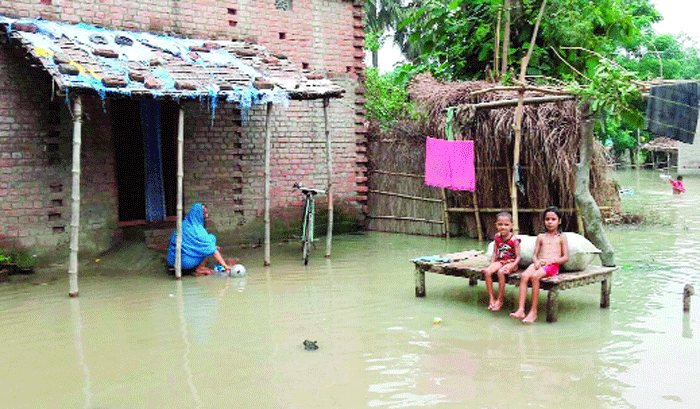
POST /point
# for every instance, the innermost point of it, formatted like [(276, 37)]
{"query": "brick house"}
[(223, 153)]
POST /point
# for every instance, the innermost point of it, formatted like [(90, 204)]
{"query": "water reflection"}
[(186, 341), (76, 321)]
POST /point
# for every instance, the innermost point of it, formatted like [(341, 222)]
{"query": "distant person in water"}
[(197, 243), (505, 258), (551, 251), (677, 185)]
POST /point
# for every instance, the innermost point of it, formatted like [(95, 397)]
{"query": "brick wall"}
[(35, 163), (223, 156)]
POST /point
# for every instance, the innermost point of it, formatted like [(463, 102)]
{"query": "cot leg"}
[(605, 293), (420, 282), (473, 281), (552, 305)]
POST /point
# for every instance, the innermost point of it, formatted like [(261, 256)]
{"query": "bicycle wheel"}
[(306, 245)]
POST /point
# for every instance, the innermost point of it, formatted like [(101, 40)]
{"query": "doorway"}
[(144, 134)]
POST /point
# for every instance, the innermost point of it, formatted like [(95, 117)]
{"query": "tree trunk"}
[(506, 39), (590, 213)]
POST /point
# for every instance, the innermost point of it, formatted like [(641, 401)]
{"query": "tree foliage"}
[(457, 38), (387, 98)]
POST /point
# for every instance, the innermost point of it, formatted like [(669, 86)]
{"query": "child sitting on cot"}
[(551, 251), (505, 258), (677, 185)]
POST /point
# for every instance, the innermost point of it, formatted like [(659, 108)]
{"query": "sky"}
[(680, 16)]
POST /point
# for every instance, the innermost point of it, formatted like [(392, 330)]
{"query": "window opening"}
[(285, 5)]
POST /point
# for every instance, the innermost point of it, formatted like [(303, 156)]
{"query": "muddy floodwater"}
[(139, 339)]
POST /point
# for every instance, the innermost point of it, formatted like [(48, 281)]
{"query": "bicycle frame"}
[(307, 229)]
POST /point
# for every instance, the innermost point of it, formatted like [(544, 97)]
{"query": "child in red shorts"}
[(551, 251)]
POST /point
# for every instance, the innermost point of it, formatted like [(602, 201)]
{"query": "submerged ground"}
[(136, 338)]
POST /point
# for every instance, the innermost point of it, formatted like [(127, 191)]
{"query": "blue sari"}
[(197, 243)]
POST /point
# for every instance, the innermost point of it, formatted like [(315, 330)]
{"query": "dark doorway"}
[(129, 158)]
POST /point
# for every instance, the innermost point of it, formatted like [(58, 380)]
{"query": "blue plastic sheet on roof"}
[(138, 47)]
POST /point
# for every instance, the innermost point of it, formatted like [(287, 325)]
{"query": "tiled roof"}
[(138, 64)]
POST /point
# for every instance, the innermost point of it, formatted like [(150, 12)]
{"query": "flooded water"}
[(143, 340)]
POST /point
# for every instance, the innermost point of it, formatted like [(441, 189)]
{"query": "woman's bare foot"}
[(203, 271), (497, 306), (518, 314), (492, 303), (531, 317)]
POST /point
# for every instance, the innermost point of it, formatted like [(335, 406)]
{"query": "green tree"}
[(456, 38), (387, 97), (381, 17)]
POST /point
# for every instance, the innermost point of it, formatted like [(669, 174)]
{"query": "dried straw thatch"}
[(549, 148)]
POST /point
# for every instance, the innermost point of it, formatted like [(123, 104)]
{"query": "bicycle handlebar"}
[(308, 190)]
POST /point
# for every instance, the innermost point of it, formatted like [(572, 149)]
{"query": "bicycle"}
[(307, 225)]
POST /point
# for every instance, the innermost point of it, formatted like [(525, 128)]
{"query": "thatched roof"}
[(549, 148), (662, 144)]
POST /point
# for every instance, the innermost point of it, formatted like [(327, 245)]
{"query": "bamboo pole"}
[(180, 178), (266, 260), (497, 44), (404, 196), (519, 121), (505, 209), (410, 175), (75, 196), (446, 215), (329, 190), (412, 219), (477, 216), (524, 87), (526, 101)]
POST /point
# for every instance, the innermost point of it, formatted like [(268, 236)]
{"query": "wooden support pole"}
[(420, 282), (605, 286), (552, 305), (75, 198), (329, 189), (180, 178), (268, 145), (477, 215), (688, 290)]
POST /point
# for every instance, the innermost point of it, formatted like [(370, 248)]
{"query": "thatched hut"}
[(548, 161)]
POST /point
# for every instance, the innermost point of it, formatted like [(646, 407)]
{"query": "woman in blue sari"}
[(197, 243)]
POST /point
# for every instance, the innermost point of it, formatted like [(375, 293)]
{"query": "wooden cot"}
[(468, 264)]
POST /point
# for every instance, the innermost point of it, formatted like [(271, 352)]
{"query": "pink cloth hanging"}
[(462, 165), (437, 163), (450, 164)]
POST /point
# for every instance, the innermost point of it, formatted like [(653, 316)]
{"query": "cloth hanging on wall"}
[(450, 164), (672, 111), (155, 192)]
